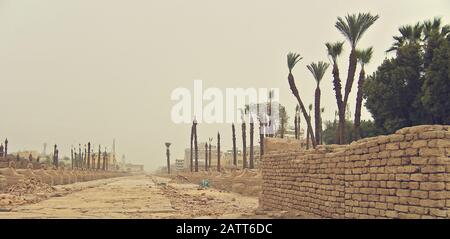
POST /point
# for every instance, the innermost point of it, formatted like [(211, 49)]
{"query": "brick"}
[(403, 192), (439, 177), (408, 216), (402, 177), (443, 143), (430, 152), (392, 146), (418, 210), (394, 161), (401, 208), (432, 203), (438, 212), (433, 169), (392, 184), (439, 194), (419, 160), (419, 144), (380, 205), (391, 214), (419, 177), (398, 153), (392, 199), (439, 161), (419, 194), (408, 169)]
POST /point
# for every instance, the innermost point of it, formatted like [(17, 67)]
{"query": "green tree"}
[(353, 28), (317, 70), (363, 57), (391, 92), (436, 86), (292, 60), (367, 129), (334, 50)]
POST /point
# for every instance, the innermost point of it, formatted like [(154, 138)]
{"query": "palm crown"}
[(318, 70), (292, 59), (354, 26), (364, 55), (334, 49)]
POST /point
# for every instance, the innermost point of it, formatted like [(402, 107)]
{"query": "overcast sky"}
[(94, 70)]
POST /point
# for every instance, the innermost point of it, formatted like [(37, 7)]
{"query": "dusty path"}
[(136, 197)]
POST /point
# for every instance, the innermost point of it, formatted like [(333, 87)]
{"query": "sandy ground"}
[(142, 196)]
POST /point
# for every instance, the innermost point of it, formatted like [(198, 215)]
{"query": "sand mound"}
[(29, 186), (179, 179)]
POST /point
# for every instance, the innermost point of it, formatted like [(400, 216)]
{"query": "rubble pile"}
[(30, 186)]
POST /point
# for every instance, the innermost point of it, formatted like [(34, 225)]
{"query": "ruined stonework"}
[(403, 175)]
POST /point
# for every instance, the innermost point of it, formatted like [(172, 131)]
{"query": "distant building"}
[(179, 164), (134, 167)]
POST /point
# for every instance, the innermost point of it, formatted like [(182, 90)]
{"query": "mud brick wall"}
[(403, 175)]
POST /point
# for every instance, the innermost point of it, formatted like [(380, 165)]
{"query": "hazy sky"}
[(94, 70)]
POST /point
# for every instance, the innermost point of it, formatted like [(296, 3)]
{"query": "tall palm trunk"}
[(348, 87), (244, 146), (191, 162), (338, 92), (302, 106), (307, 138), (295, 127), (261, 140), (99, 157), (252, 127), (206, 157), (233, 130), (195, 147), (218, 152), (209, 154), (351, 75), (317, 117), (359, 104)]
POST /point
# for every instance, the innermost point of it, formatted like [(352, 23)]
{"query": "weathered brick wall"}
[(403, 175)]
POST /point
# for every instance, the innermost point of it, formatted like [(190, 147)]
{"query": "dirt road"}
[(136, 197)]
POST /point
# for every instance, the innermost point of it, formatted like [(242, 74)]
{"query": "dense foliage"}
[(413, 87)]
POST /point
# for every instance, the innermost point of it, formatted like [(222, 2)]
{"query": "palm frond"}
[(364, 56), (354, 26), (334, 49), (292, 59), (318, 70)]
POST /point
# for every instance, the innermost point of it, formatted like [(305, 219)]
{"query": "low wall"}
[(403, 175)]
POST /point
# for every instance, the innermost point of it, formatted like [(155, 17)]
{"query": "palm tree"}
[(209, 153), (295, 122), (192, 147), (252, 127), (408, 35), (322, 110), (309, 131), (244, 142), (353, 28), (269, 113), (206, 156), (432, 33), (233, 131), (318, 70), (195, 146), (334, 50), (299, 119), (363, 57), (292, 60), (261, 137), (218, 152)]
